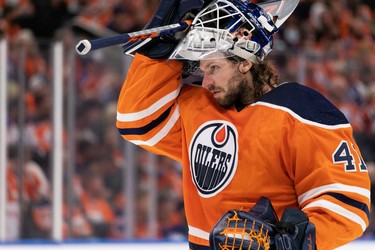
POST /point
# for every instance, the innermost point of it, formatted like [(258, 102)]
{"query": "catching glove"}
[(251, 230), (168, 12), (260, 229)]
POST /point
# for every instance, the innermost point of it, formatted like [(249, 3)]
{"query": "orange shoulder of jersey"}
[(147, 109)]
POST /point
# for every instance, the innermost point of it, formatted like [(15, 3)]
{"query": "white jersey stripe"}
[(199, 233), (338, 210), (163, 132), (131, 117), (336, 187), (299, 118)]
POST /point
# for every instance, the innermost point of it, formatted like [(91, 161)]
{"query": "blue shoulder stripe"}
[(351, 202), (145, 129), (305, 102)]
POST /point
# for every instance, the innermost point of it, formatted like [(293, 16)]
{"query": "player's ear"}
[(245, 66)]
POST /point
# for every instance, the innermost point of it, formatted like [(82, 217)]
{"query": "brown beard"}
[(240, 93)]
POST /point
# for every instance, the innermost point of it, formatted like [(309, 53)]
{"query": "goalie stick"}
[(85, 46), (279, 9)]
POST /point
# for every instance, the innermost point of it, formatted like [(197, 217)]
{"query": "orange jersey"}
[(293, 147)]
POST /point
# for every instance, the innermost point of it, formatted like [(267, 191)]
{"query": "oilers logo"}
[(213, 157)]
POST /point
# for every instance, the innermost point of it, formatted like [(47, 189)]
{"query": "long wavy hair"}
[(263, 73)]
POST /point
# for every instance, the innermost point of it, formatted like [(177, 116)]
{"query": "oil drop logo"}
[(213, 157)]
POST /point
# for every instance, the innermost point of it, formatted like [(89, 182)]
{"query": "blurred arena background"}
[(66, 176)]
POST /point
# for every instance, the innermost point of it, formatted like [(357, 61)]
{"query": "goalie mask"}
[(227, 28)]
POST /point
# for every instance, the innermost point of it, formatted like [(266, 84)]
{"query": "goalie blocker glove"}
[(168, 12), (295, 232), (260, 229)]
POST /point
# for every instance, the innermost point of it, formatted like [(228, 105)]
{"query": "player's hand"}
[(168, 12), (251, 230), (260, 229), (295, 231)]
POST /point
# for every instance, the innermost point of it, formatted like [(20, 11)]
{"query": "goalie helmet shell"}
[(228, 28)]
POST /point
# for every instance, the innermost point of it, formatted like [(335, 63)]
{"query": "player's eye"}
[(213, 69)]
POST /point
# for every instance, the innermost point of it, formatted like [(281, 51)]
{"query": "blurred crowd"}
[(327, 45)]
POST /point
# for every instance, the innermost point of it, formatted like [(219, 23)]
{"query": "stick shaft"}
[(85, 46)]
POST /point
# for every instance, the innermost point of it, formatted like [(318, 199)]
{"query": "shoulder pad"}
[(306, 103)]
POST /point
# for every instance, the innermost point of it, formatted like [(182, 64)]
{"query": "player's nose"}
[(207, 81)]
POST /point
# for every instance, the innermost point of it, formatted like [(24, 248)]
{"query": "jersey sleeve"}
[(330, 176), (332, 183), (147, 109)]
